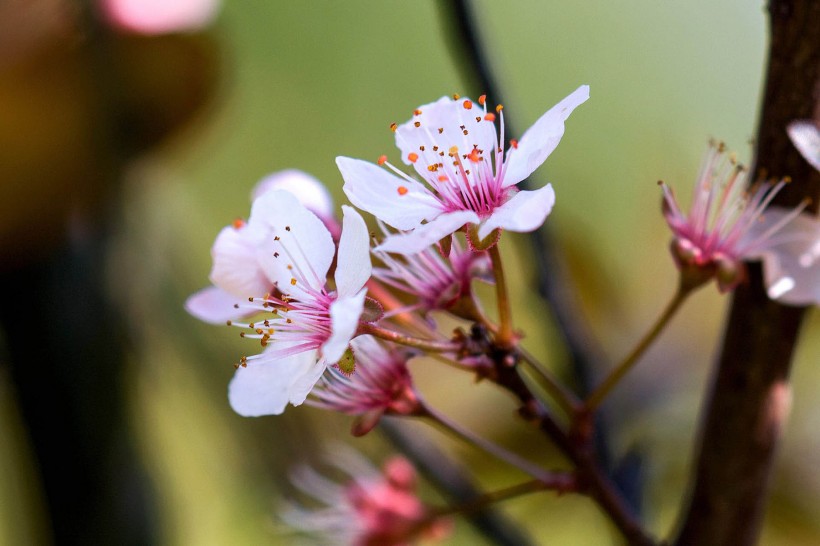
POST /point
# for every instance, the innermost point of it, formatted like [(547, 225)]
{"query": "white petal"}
[(428, 234), (236, 269), (307, 189), (266, 388), (526, 211), (304, 241), (373, 189), (344, 321), (214, 305), (806, 138), (541, 139), (453, 119), (353, 261)]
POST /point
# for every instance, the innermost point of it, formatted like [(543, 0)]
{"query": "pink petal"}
[(541, 139), (266, 388), (429, 233), (214, 305), (160, 16), (353, 261), (372, 189), (526, 211), (307, 189), (236, 269), (344, 318), (304, 241)]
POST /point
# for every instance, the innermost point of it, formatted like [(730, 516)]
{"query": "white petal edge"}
[(539, 141), (806, 138), (374, 190), (304, 241), (213, 305), (427, 234), (266, 388), (353, 260), (525, 212), (236, 268), (306, 188), (344, 321)]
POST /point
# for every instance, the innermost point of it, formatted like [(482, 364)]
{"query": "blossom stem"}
[(419, 343), (493, 449), (390, 303), (561, 481), (599, 394), (559, 392), (505, 337)]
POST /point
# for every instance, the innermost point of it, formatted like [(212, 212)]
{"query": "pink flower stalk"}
[(381, 384), (434, 282), (373, 509), (237, 248), (308, 325), (718, 233), (455, 150)]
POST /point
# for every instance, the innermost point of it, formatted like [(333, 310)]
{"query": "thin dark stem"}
[(600, 393), (507, 493), (410, 341), (505, 336)]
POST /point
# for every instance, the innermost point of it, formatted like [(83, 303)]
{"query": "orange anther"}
[(417, 124), (382, 160), (402, 190), (489, 116), (393, 127), (482, 99), (412, 157), (238, 223), (513, 143), (474, 156), (442, 178), (499, 107), (467, 104), (456, 96), (417, 112), (453, 150)]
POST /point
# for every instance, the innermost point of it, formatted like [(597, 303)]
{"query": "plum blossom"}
[(153, 17), (435, 282), (374, 508), (236, 250), (468, 178), (721, 229), (286, 255), (381, 384)]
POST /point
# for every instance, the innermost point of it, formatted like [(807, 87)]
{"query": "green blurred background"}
[(297, 84)]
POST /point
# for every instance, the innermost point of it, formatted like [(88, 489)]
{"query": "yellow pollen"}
[(456, 96), (393, 127), (293, 282), (453, 150)]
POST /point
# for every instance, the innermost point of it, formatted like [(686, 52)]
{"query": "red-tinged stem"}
[(410, 341), (505, 337)]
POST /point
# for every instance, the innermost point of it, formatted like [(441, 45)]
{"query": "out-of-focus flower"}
[(236, 251), (381, 384), (434, 282), (792, 268), (806, 138), (454, 148), (718, 233), (374, 508), (160, 16)]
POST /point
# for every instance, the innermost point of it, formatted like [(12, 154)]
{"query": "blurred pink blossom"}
[(160, 16)]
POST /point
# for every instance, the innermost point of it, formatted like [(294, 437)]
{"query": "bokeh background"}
[(141, 147)]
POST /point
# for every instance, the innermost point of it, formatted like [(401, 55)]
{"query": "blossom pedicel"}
[(455, 150)]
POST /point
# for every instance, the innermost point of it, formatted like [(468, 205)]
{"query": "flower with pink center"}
[(237, 248), (468, 179), (434, 282), (306, 326), (719, 232), (379, 385), (374, 508)]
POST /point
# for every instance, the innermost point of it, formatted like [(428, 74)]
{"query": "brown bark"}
[(748, 402)]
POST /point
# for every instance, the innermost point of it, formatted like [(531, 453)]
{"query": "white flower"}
[(454, 148), (309, 326), (235, 252)]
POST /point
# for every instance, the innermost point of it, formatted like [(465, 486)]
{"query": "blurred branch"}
[(749, 399), (553, 281), (451, 479)]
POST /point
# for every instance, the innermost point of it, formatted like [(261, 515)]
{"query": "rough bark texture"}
[(749, 399)]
